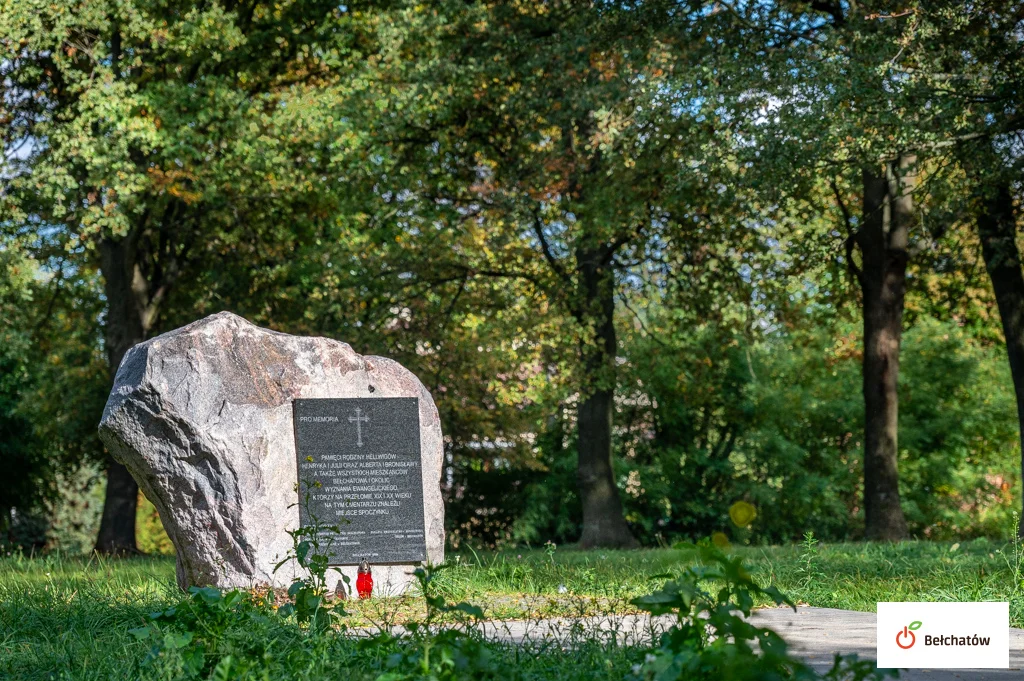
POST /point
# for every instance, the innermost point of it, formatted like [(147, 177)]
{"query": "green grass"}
[(63, 617), (72, 615), (852, 576)]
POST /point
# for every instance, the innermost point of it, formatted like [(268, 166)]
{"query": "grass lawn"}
[(69, 618), (850, 576)]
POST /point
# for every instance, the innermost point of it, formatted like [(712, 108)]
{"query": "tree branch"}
[(851, 239), (654, 337), (58, 280), (556, 266)]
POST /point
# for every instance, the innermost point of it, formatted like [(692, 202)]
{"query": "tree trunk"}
[(124, 328), (883, 241), (603, 522), (997, 229)]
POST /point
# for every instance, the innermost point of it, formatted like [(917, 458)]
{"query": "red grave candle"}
[(364, 580)]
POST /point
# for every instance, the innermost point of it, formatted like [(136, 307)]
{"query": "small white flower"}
[(562, 589), (649, 658), (636, 669)]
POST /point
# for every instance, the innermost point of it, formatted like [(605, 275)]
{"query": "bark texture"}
[(883, 239), (997, 230), (603, 522), (125, 328)]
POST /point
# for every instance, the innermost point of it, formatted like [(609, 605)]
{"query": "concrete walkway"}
[(814, 634), (817, 634)]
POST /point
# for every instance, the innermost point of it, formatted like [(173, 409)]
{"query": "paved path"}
[(814, 634)]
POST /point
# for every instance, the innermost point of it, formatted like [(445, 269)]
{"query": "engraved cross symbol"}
[(358, 420)]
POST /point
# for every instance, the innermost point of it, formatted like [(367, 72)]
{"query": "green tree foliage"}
[(715, 419), (562, 152), (588, 227), (28, 468), (152, 140), (878, 104), (49, 357)]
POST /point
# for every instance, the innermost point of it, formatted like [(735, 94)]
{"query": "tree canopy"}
[(651, 258)]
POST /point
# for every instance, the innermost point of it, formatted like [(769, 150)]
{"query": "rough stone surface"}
[(202, 418)]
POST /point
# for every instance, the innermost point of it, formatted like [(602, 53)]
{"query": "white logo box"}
[(943, 635)]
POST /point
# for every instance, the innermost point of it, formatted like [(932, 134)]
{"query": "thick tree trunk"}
[(883, 240), (124, 328), (997, 229), (603, 522)]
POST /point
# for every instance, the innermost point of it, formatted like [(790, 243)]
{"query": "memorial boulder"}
[(226, 426)]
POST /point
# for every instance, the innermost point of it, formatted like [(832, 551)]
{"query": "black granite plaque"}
[(365, 455)]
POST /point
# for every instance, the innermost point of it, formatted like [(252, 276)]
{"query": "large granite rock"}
[(202, 418)]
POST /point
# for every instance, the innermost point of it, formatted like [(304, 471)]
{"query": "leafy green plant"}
[(712, 636), (808, 557), (311, 550), (446, 652), (549, 550), (446, 655), (188, 638), (437, 605)]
